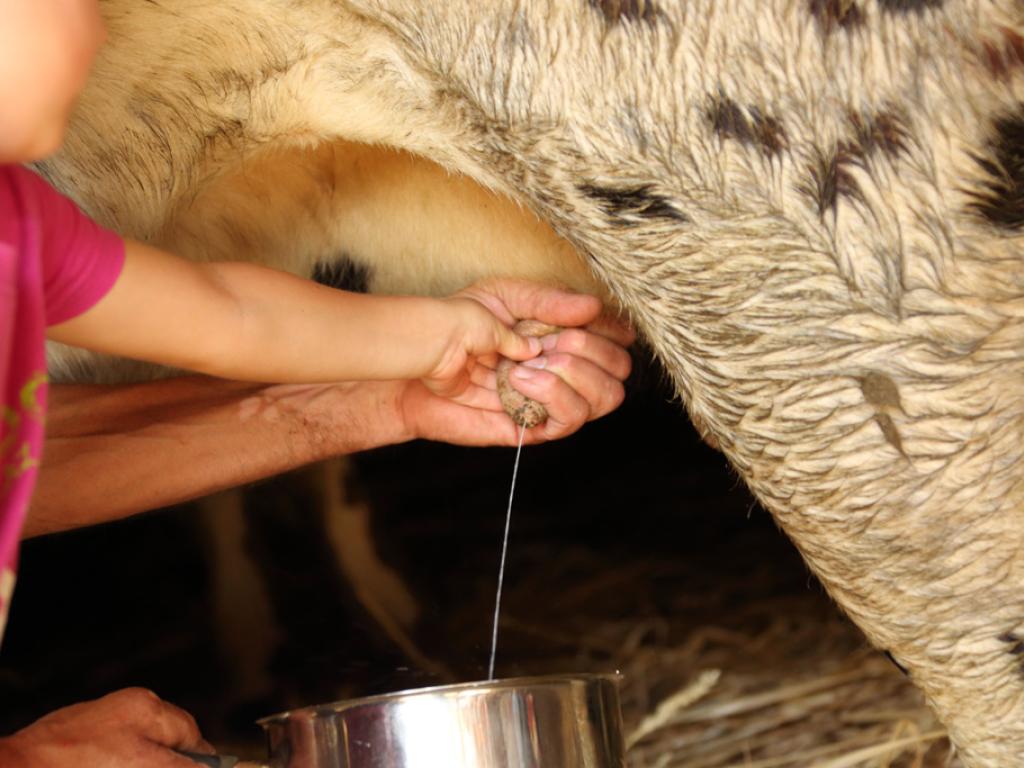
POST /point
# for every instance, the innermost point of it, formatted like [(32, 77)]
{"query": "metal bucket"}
[(556, 721)]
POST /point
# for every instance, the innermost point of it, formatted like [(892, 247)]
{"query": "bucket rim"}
[(500, 684)]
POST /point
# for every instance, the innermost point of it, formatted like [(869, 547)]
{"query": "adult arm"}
[(112, 451)]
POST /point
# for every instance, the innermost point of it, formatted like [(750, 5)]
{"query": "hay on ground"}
[(709, 680)]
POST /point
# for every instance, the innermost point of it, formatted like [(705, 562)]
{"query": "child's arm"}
[(242, 321)]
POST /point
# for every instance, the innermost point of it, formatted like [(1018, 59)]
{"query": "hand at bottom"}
[(132, 728)]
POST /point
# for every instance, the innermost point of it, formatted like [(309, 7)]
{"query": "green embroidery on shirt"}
[(16, 465), (17, 458), (29, 395), (22, 462)]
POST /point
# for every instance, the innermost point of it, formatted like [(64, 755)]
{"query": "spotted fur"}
[(884, 131), (615, 11), (910, 6), (829, 179), (1002, 54), (1014, 645), (749, 126), (629, 206), (836, 14), (343, 273), (1000, 195)]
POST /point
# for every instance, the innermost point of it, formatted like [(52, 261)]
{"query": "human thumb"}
[(530, 331), (518, 347)]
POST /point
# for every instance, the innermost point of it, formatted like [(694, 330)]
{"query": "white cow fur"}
[(861, 364)]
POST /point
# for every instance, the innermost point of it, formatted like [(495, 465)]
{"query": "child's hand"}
[(478, 337)]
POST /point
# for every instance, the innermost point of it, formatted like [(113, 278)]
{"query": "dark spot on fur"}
[(1016, 647), (830, 178), (898, 666), (728, 120), (343, 273), (770, 133), (1000, 198), (1002, 55), (630, 205), (881, 391), (889, 431), (749, 126), (909, 6), (884, 131), (871, 133), (822, 186), (833, 14), (617, 10)]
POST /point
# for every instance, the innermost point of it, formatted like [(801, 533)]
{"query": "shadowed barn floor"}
[(633, 548)]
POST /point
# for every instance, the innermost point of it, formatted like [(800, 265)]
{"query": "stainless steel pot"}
[(556, 721)]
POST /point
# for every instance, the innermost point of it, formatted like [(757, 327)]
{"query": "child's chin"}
[(44, 142)]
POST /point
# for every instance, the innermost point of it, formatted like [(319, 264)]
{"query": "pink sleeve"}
[(81, 260)]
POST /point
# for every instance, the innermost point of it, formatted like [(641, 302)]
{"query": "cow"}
[(810, 209)]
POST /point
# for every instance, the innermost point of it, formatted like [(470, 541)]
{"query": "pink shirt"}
[(54, 264)]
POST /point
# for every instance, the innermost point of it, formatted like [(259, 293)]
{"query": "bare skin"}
[(125, 729), (219, 434)]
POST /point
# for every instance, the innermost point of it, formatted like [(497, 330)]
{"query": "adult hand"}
[(132, 728), (577, 377)]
